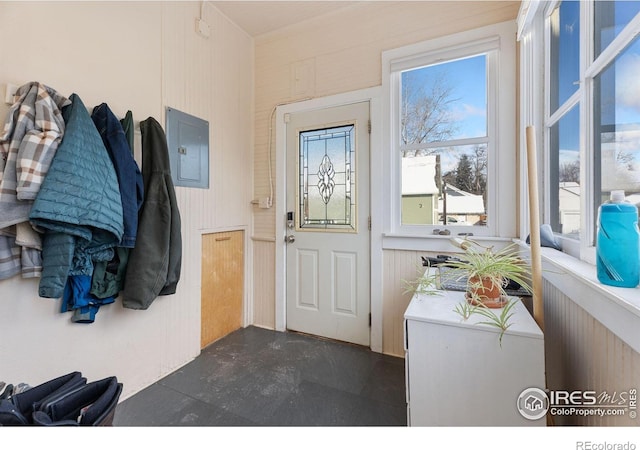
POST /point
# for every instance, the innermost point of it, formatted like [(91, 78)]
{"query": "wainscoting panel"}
[(264, 260), (581, 355), (399, 266)]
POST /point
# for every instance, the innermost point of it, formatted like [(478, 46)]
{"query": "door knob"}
[(290, 239)]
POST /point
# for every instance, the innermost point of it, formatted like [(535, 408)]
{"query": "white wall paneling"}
[(141, 56)]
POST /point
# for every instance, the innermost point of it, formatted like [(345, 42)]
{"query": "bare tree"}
[(569, 172), (625, 159), (426, 114)]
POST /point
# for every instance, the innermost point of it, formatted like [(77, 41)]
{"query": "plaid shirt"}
[(32, 132)]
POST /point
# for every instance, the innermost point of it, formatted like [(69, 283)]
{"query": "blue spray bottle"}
[(618, 242)]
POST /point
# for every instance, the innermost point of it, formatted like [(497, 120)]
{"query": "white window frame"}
[(535, 23), (571, 246), (572, 270), (498, 41)]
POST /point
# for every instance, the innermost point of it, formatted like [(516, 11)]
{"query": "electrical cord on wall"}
[(273, 111), (202, 10), (270, 150)]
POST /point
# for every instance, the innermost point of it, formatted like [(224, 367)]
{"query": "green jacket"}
[(155, 262)]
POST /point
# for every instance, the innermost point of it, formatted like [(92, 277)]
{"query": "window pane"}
[(610, 18), (565, 174), (327, 179), (617, 126), (444, 101), (445, 186), (565, 53)]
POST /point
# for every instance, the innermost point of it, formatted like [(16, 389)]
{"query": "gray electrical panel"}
[(188, 142)]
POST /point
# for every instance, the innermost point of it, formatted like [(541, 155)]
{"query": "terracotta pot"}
[(484, 291)]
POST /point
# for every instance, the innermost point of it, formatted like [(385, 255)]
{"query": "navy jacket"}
[(127, 171)]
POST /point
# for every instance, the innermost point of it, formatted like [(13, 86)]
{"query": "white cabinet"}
[(457, 371)]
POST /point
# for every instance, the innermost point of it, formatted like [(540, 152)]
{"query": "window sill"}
[(434, 242), (618, 309)]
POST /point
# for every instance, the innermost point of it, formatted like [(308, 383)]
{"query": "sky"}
[(621, 92), (467, 78), (617, 94), (620, 99)]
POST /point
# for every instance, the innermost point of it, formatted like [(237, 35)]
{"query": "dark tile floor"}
[(258, 377)]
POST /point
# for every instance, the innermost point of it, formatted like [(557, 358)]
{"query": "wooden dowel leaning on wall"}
[(534, 228)]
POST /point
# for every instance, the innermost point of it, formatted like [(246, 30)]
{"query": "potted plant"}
[(488, 272)]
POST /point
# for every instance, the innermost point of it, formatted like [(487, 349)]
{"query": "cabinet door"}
[(222, 285), (461, 376)]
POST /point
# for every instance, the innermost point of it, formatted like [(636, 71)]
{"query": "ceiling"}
[(260, 17)]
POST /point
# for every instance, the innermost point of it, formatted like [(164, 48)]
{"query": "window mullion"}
[(614, 48), (564, 108), (588, 178), (441, 144), (547, 111)]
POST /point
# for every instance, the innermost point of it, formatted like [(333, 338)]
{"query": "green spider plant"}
[(494, 267)]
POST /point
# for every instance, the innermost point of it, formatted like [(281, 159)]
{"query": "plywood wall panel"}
[(222, 285)]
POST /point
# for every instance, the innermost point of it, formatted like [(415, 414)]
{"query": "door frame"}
[(373, 96)]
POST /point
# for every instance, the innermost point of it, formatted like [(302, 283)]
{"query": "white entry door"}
[(328, 237)]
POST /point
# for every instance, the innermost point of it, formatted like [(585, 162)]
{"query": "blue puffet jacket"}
[(79, 207)]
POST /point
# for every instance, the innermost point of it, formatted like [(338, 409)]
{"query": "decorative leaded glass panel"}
[(326, 190)]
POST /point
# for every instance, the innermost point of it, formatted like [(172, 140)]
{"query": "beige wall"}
[(145, 56), (142, 56), (337, 53)]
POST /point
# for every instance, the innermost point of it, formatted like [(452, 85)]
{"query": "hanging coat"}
[(108, 276), (32, 132), (155, 262), (127, 171), (78, 207)]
